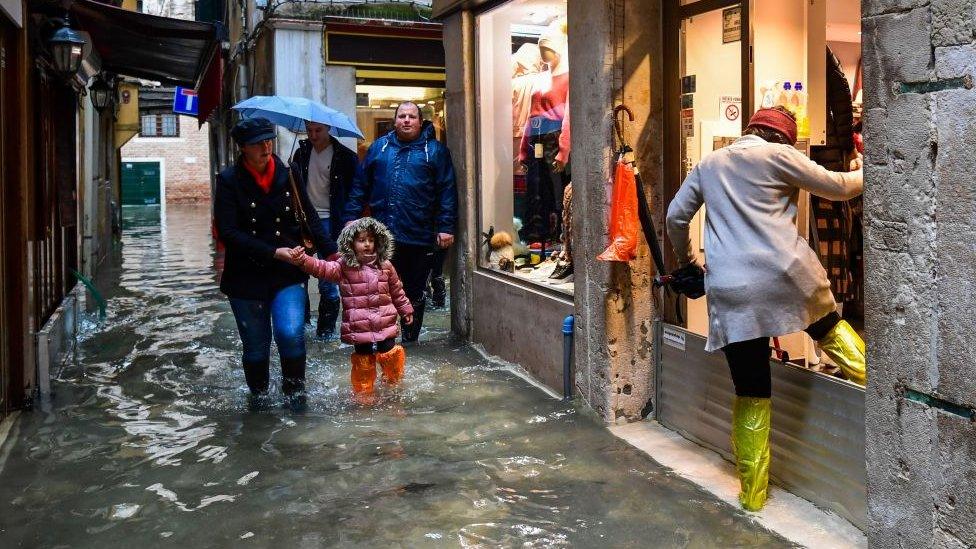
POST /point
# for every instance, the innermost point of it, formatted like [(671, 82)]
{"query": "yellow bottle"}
[(800, 110)]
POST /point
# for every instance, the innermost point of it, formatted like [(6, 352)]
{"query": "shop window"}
[(160, 125), (525, 178)]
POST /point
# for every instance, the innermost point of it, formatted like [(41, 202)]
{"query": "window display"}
[(525, 185)]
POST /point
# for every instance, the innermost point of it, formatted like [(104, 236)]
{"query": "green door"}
[(140, 183)]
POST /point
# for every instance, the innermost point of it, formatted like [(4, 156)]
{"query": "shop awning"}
[(171, 51)]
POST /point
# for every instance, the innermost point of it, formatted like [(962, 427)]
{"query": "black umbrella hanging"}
[(688, 280)]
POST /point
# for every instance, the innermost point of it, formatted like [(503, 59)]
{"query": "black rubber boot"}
[(328, 314), (293, 375), (256, 375), (438, 294), (293, 382), (411, 333)]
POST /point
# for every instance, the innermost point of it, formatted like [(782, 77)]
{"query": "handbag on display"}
[(306, 233)]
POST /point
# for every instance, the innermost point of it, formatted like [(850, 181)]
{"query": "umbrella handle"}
[(294, 142), (617, 125)]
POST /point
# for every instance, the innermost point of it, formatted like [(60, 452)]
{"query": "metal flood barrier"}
[(817, 423)]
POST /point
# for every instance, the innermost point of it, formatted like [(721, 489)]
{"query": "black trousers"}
[(749, 360), (380, 347), (543, 192), (413, 264)]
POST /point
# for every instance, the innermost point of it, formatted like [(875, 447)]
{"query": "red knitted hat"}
[(775, 119)]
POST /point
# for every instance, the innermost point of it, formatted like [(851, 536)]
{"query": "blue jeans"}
[(283, 315), (327, 290)]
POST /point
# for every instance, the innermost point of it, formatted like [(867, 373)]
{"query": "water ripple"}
[(150, 440)]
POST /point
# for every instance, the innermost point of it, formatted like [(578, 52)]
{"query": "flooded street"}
[(149, 441)]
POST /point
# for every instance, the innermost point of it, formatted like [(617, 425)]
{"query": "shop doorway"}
[(376, 105), (709, 93), (142, 183), (733, 57), (728, 58)]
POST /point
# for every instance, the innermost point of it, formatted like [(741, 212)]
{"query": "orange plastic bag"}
[(624, 222)]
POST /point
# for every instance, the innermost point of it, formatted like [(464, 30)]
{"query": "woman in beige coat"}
[(762, 278)]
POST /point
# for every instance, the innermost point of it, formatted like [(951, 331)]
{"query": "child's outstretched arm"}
[(399, 297), (320, 268)]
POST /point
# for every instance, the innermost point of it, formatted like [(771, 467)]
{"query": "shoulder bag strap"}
[(296, 201)]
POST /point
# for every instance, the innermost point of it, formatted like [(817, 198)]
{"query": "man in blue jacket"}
[(407, 182)]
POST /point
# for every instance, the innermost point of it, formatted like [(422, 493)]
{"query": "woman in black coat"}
[(255, 213)]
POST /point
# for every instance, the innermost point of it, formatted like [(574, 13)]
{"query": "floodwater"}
[(149, 441)]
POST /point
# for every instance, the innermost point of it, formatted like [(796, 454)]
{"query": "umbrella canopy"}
[(292, 112)]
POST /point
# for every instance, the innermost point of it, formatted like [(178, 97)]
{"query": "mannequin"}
[(526, 68), (526, 65), (545, 144)]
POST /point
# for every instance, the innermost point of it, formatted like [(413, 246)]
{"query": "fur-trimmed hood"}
[(382, 235)]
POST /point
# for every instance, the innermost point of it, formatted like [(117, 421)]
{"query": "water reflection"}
[(149, 441)]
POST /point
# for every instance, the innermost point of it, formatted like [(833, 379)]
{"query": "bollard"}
[(568, 323)]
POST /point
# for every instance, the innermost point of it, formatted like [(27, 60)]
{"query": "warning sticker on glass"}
[(674, 338), (732, 24), (730, 107)]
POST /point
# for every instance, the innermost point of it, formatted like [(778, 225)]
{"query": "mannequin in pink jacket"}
[(372, 301)]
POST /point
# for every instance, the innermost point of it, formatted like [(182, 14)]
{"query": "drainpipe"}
[(242, 78), (568, 324)]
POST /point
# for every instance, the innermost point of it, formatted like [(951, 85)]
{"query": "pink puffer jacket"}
[(372, 295)]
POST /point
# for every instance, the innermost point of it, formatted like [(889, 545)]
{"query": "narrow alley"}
[(149, 441)]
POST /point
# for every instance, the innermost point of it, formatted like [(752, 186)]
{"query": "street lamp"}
[(66, 49), (101, 93)]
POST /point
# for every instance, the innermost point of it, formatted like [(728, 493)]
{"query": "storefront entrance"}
[(376, 106), (729, 58)]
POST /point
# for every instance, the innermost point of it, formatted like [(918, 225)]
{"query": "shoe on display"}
[(561, 271), (561, 281), (543, 271)]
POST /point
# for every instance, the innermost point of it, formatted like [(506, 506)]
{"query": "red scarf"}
[(265, 179)]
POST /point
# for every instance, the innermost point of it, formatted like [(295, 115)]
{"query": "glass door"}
[(707, 102)]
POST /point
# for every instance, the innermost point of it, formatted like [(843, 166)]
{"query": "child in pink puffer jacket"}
[(372, 300)]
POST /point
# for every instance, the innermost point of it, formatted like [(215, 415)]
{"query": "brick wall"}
[(186, 161)]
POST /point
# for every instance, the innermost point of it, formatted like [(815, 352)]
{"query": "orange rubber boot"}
[(392, 363), (363, 374)]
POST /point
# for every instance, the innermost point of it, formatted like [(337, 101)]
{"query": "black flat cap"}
[(252, 130)]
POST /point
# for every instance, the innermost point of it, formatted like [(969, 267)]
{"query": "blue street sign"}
[(185, 102)]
